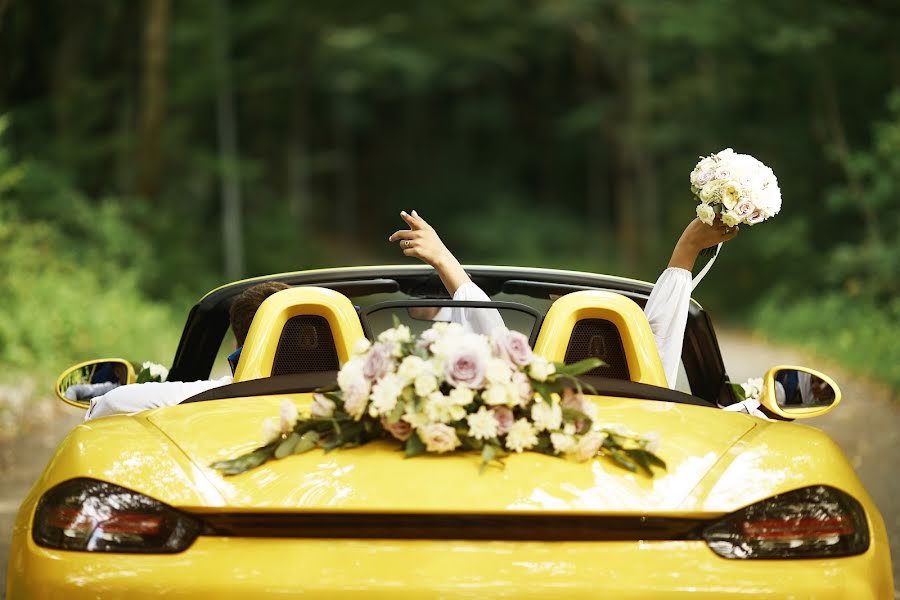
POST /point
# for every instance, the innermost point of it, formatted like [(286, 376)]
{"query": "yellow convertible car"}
[(131, 506)]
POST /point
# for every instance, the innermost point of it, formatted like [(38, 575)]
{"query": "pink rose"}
[(757, 216), (744, 208), (379, 361), (574, 400), (466, 368), (356, 396), (439, 438), (400, 430), (512, 347), (505, 419)]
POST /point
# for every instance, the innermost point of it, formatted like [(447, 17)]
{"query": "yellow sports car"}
[(132, 506)]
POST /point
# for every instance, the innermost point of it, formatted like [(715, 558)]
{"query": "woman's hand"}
[(422, 242), (697, 236)]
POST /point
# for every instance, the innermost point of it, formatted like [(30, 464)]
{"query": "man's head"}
[(245, 306)]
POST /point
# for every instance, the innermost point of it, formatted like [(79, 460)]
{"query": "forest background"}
[(153, 150)]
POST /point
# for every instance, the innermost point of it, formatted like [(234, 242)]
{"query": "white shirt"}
[(130, 399), (477, 320)]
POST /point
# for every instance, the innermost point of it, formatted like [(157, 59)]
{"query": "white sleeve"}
[(667, 311), (477, 320), (130, 399)]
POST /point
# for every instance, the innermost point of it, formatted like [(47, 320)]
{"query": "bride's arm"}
[(667, 307)]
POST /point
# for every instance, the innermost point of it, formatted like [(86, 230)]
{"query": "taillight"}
[(812, 522), (94, 516)]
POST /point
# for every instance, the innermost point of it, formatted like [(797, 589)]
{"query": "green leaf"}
[(245, 462), (738, 390), (287, 445), (414, 446), (579, 368), (487, 455), (543, 389), (308, 441), (623, 460)]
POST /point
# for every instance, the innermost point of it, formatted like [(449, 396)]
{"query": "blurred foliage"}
[(533, 132)]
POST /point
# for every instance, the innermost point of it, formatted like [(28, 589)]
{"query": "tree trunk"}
[(226, 122), (153, 98)]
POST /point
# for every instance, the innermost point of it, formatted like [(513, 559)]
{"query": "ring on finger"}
[(406, 243)]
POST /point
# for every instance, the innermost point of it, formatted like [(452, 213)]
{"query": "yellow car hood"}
[(377, 477)]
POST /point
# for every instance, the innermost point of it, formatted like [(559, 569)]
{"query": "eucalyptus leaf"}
[(245, 462), (623, 460), (414, 446), (308, 441), (287, 445)]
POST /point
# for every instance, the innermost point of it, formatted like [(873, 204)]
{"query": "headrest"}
[(591, 323), (310, 318)]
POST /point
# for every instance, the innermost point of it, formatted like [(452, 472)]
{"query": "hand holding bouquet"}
[(736, 187)]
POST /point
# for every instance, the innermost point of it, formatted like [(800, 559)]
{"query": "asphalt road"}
[(866, 425)]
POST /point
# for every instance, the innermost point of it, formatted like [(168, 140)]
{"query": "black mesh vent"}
[(306, 346), (598, 338)]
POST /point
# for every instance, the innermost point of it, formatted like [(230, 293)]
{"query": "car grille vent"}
[(399, 526), (598, 338), (306, 346)]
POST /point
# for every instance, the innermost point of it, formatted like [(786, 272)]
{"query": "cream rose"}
[(706, 213), (439, 438)]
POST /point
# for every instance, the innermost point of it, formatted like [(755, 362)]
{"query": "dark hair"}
[(244, 307)]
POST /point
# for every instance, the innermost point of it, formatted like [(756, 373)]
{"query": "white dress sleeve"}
[(477, 320), (130, 399), (667, 311)]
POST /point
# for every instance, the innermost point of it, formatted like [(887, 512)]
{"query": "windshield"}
[(479, 317)]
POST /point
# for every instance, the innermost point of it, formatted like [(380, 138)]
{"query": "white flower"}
[(521, 436), (396, 336), (356, 396), (385, 393), (731, 194), (439, 438), (351, 372), (271, 430), (361, 346), (540, 369), (411, 367), (441, 409), (461, 396), (498, 371), (157, 371), (753, 388), (322, 407), (483, 424), (288, 417), (499, 395), (425, 384), (730, 219), (711, 193), (651, 442), (705, 213), (416, 420), (588, 446), (546, 417), (562, 443)]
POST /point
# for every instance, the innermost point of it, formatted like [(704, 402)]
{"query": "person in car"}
[(666, 309), (129, 399)]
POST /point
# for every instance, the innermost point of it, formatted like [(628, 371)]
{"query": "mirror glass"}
[(799, 389), (80, 384)]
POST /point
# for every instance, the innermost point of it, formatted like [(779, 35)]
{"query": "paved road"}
[(866, 425)]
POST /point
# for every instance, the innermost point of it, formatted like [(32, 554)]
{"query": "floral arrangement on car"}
[(450, 390), (737, 187), (152, 372)]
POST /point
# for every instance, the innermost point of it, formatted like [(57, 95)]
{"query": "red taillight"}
[(813, 522), (84, 514)]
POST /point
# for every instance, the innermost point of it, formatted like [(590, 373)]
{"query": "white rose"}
[(498, 371), (731, 194), (411, 368), (711, 193), (439, 438), (361, 346), (589, 445), (461, 396), (498, 395), (396, 335), (540, 369), (322, 407), (706, 213), (271, 430), (385, 393), (425, 384), (730, 219), (562, 443), (351, 372)]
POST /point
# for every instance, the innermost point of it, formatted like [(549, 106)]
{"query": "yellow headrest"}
[(265, 330), (641, 352)]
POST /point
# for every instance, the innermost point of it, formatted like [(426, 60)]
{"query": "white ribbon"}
[(749, 406), (696, 281)]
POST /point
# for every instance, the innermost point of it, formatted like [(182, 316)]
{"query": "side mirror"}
[(799, 392), (78, 384)]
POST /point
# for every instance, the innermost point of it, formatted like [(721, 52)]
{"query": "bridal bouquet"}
[(451, 390), (736, 186)]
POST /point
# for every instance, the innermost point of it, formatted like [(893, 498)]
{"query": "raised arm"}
[(422, 241), (667, 307)]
